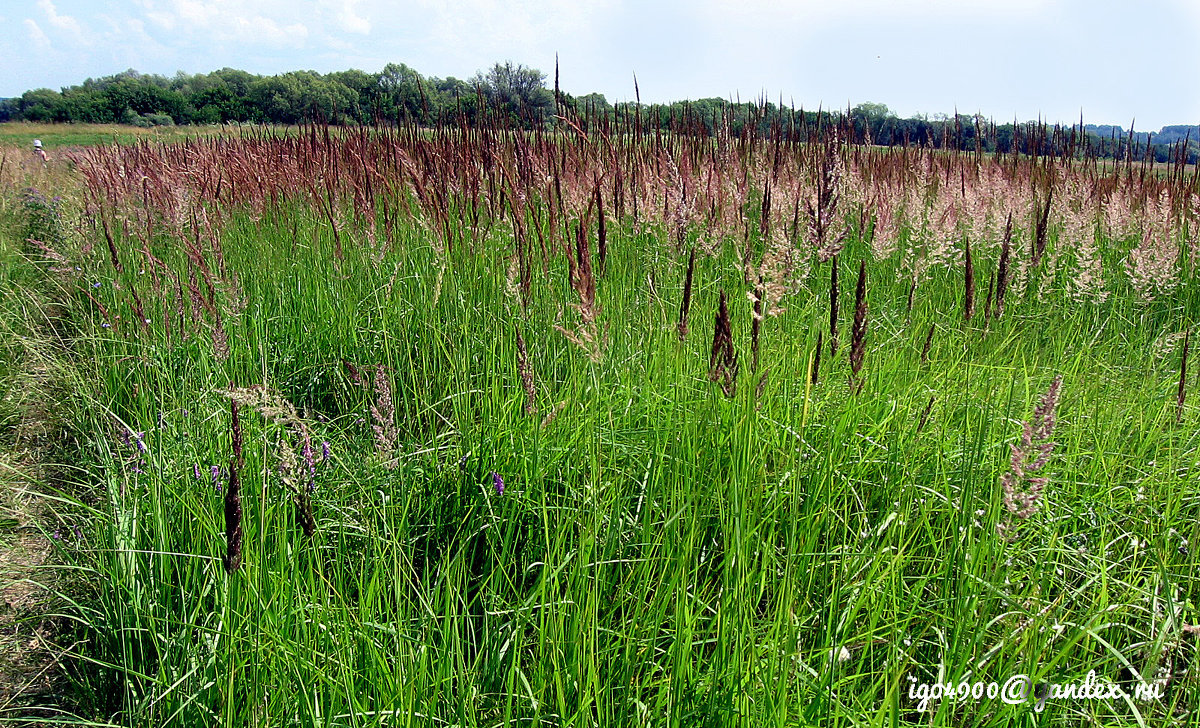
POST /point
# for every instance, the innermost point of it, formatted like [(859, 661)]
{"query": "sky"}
[(1056, 60)]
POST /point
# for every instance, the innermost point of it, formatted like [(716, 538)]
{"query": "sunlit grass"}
[(660, 554)]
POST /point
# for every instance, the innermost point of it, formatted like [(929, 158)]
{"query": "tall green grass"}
[(660, 554)]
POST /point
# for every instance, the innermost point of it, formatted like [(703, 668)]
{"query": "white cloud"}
[(754, 11), (36, 35), (480, 32), (63, 23), (229, 22), (347, 15)]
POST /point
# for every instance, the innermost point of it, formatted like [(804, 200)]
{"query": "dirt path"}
[(28, 655), (31, 426)]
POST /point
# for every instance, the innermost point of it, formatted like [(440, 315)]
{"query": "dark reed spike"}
[(833, 307), (969, 285), (1179, 397), (722, 362), (816, 367), (987, 306), (1042, 226), (686, 305), (925, 415), (1002, 267), (756, 327), (928, 343), (858, 333), (602, 234), (233, 497)]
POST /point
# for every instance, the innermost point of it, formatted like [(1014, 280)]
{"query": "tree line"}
[(396, 94), (514, 95)]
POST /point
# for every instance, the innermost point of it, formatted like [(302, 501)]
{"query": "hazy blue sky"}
[(1112, 61)]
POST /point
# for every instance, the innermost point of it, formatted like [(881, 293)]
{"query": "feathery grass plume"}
[(1153, 264), (1029, 457), (304, 513), (969, 284), (858, 332), (816, 366), (686, 305), (925, 415), (928, 343), (1002, 267), (1179, 397), (833, 308), (722, 362), (290, 451), (553, 414), (384, 414), (233, 496), (588, 335), (526, 371), (383, 411), (827, 229)]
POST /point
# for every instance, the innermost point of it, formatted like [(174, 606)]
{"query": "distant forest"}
[(514, 95)]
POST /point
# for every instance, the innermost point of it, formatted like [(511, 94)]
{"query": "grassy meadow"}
[(468, 427), (20, 134)]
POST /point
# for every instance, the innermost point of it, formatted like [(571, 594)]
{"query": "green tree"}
[(39, 105), (518, 92), (400, 89), (78, 104), (301, 96), (365, 90)]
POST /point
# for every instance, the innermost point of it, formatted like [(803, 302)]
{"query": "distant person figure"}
[(37, 149)]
